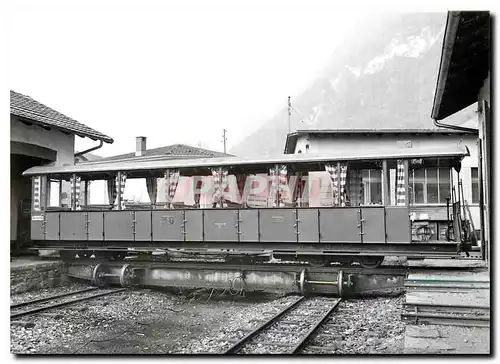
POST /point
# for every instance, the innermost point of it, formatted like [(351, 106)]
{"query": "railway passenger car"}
[(279, 209)]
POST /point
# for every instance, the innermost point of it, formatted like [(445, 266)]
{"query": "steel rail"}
[(431, 286), (61, 304), (448, 319), (27, 303), (239, 344), (304, 340), (431, 307)]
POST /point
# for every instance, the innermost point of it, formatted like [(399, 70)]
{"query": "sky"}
[(173, 72)]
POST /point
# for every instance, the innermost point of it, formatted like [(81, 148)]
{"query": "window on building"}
[(418, 184), (475, 184), (430, 185), (444, 184)]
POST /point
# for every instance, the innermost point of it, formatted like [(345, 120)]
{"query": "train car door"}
[(397, 224), (249, 225), (193, 225), (142, 225), (168, 225), (308, 225), (339, 225), (52, 226), (73, 225), (95, 225), (278, 225), (38, 226), (373, 225), (119, 225), (220, 225)]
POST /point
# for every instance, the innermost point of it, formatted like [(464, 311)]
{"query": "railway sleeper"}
[(271, 343), (329, 336), (331, 348)]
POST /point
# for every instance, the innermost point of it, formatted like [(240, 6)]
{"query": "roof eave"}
[(451, 28), (377, 131), (105, 139), (388, 153)]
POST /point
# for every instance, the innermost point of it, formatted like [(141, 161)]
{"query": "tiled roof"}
[(25, 107), (88, 157), (175, 149)]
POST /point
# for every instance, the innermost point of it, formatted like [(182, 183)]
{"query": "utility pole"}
[(224, 139), (289, 107)]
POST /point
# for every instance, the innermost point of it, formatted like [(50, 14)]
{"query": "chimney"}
[(140, 146)]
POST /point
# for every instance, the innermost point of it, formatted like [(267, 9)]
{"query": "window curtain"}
[(112, 191), (334, 176), (152, 187), (298, 191), (121, 179), (220, 178), (78, 190), (171, 182), (224, 186), (343, 180), (197, 184), (216, 191), (355, 189), (273, 175), (400, 189), (282, 186), (37, 182), (240, 183), (361, 195)]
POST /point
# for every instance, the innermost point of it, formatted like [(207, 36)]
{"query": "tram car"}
[(344, 207)]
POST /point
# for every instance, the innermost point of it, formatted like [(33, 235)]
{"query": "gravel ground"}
[(299, 321), (42, 293), (368, 326), (158, 322)]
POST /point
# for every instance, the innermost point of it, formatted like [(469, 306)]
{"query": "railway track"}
[(441, 314), (38, 306), (293, 330)]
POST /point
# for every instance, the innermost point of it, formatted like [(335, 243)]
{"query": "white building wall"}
[(486, 137), (61, 143), (53, 139), (325, 143)]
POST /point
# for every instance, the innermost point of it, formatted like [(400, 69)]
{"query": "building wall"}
[(485, 136), (323, 144), (61, 143), (53, 139), (484, 92)]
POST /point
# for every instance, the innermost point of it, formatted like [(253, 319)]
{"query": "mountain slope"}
[(382, 76)]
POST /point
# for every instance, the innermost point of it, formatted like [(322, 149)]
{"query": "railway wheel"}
[(97, 276), (371, 262), (126, 275)]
